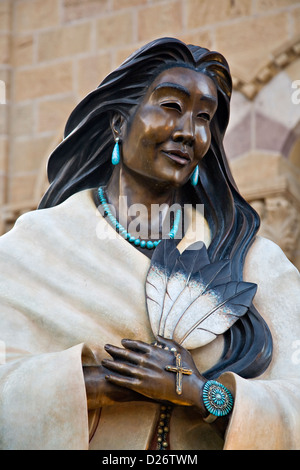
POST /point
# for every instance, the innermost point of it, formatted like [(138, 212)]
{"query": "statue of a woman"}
[(132, 332)]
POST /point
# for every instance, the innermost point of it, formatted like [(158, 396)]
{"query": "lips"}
[(178, 156)]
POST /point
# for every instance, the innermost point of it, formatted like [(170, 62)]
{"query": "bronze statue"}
[(168, 332)]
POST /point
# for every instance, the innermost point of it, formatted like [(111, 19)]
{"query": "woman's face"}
[(169, 132)]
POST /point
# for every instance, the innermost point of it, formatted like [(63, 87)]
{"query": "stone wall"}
[(53, 52)]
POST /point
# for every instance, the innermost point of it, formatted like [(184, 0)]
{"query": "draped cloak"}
[(66, 290)]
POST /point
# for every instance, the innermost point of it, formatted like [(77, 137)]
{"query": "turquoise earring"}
[(115, 157), (195, 176)]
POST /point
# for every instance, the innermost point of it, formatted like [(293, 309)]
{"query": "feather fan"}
[(190, 299)]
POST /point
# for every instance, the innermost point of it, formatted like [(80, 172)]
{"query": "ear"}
[(118, 125)]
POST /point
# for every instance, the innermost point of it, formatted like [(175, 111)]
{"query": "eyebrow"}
[(176, 86), (184, 90)]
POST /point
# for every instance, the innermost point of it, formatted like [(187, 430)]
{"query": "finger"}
[(123, 354), (151, 356), (137, 346), (127, 382), (168, 343), (128, 355), (122, 368)]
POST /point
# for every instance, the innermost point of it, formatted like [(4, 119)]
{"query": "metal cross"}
[(180, 371)]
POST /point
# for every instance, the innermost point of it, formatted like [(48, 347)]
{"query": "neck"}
[(129, 193)]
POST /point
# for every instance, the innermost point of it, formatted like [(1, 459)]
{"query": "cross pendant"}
[(180, 371)]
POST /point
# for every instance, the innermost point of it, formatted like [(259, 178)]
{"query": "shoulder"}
[(268, 267), (50, 223)]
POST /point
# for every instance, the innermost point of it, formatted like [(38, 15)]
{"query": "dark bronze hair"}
[(83, 160)]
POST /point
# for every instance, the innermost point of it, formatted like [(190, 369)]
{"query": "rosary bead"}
[(163, 427)]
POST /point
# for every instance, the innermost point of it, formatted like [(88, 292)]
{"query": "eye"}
[(171, 105), (204, 116)]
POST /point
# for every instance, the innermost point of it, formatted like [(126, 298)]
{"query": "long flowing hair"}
[(83, 160)]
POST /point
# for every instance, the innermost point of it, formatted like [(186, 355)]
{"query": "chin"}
[(169, 181)]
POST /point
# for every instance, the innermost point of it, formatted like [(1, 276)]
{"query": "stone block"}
[(91, 71), (155, 21), (22, 119), (123, 52), (29, 154), (5, 11), (244, 52), (269, 134), (65, 41), (22, 50), (119, 4), (114, 30), (3, 154), (198, 38), (3, 119), (256, 169), (2, 196), (293, 70), (274, 101), (77, 9), (43, 80), (36, 14), (53, 114), (295, 14), (21, 187), (266, 5), (4, 49), (206, 12), (238, 140)]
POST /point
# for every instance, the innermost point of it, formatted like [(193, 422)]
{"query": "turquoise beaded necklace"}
[(123, 232)]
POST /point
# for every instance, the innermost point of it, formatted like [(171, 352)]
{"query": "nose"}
[(185, 131)]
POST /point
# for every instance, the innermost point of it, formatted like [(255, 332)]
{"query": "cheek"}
[(148, 130), (153, 128), (203, 141)]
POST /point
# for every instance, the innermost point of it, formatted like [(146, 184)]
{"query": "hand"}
[(101, 392), (141, 367)]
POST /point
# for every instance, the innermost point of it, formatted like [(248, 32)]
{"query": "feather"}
[(187, 264), (162, 263), (190, 299), (213, 312), (197, 286)]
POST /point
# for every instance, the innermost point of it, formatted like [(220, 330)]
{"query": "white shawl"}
[(64, 293)]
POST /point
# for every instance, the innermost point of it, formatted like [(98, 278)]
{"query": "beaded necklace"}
[(123, 232)]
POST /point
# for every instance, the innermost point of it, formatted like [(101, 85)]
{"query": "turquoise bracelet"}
[(217, 399)]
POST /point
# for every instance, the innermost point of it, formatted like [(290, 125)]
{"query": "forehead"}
[(191, 80)]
